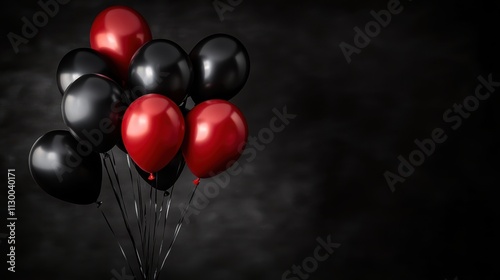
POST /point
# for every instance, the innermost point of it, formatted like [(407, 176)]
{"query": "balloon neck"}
[(151, 177), (196, 181)]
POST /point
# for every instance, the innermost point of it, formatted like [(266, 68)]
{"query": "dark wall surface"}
[(323, 175)]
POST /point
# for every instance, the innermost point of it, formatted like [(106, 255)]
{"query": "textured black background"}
[(323, 175)]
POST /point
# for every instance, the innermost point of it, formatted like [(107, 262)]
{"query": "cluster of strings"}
[(146, 223)]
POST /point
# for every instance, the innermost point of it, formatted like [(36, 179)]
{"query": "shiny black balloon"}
[(82, 61), (167, 176), (163, 67), (92, 108), (65, 169), (221, 66)]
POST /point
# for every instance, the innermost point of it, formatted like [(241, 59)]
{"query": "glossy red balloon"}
[(216, 133), (152, 131), (118, 32)]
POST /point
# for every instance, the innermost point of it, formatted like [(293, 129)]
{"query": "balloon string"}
[(146, 232), (135, 203), (179, 171), (152, 227), (158, 223), (143, 205), (141, 210), (177, 229), (133, 191), (112, 157), (164, 229), (120, 204), (148, 227), (162, 204), (124, 210), (113, 162), (116, 238), (142, 214), (153, 234)]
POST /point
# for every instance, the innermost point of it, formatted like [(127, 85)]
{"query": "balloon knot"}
[(151, 177), (196, 181)]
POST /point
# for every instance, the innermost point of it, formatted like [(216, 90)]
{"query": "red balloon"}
[(118, 32), (216, 133), (152, 131)]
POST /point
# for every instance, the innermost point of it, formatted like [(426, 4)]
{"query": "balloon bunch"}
[(131, 91)]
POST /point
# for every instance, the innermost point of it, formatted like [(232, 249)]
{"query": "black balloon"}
[(163, 67), (184, 110), (167, 176), (121, 146), (221, 66), (93, 109), (82, 61), (64, 169)]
